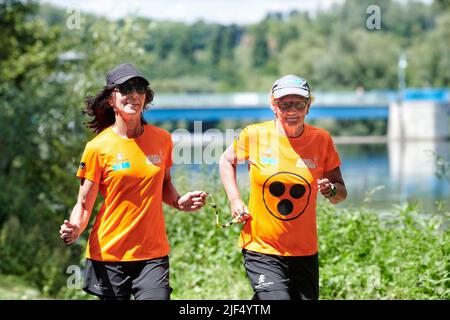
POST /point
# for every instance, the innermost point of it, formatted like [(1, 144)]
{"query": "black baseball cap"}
[(122, 73)]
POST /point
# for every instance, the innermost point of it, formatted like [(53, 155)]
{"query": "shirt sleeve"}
[(89, 167), (241, 146), (332, 160)]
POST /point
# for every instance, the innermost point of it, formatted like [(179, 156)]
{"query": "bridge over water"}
[(420, 113), (215, 107)]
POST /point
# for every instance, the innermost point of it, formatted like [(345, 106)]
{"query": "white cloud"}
[(224, 11)]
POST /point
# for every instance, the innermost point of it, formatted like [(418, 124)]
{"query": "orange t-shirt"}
[(283, 187), (130, 173)]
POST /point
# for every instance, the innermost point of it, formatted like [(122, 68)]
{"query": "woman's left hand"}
[(192, 201)]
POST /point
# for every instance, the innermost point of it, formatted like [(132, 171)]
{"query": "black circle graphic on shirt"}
[(286, 205), (277, 188), (297, 191)]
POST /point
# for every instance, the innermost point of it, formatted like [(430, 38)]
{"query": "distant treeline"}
[(334, 49)]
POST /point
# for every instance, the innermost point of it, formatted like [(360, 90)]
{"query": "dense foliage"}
[(334, 49), (362, 254)]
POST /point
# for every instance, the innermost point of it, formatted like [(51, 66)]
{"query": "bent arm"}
[(227, 166), (169, 194), (191, 201), (81, 212), (83, 208)]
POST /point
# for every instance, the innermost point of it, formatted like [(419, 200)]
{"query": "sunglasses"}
[(128, 87), (218, 224), (297, 105)]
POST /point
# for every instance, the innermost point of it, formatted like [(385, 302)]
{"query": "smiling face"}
[(128, 99), (291, 110)]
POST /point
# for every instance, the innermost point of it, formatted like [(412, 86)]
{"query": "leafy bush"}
[(363, 254)]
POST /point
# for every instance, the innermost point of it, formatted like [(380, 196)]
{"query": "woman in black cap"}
[(129, 163), (290, 163)]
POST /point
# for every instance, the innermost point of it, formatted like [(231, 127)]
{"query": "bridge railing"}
[(249, 105), (258, 99), (325, 98)]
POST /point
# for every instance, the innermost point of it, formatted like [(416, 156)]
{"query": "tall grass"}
[(206, 262), (362, 254)]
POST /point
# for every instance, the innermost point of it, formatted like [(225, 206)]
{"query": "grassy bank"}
[(16, 288), (363, 255)]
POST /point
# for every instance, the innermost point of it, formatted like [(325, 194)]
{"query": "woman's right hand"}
[(239, 209)]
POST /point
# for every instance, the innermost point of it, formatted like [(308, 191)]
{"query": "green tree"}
[(441, 5), (260, 49), (33, 155), (46, 72), (429, 57), (215, 47)]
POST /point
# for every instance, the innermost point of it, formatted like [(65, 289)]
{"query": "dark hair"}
[(103, 114)]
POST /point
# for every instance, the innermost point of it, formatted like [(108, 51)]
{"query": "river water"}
[(387, 173), (412, 172)]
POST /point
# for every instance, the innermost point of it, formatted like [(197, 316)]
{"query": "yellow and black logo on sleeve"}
[(286, 195)]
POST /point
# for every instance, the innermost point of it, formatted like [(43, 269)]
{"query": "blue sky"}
[(223, 11)]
